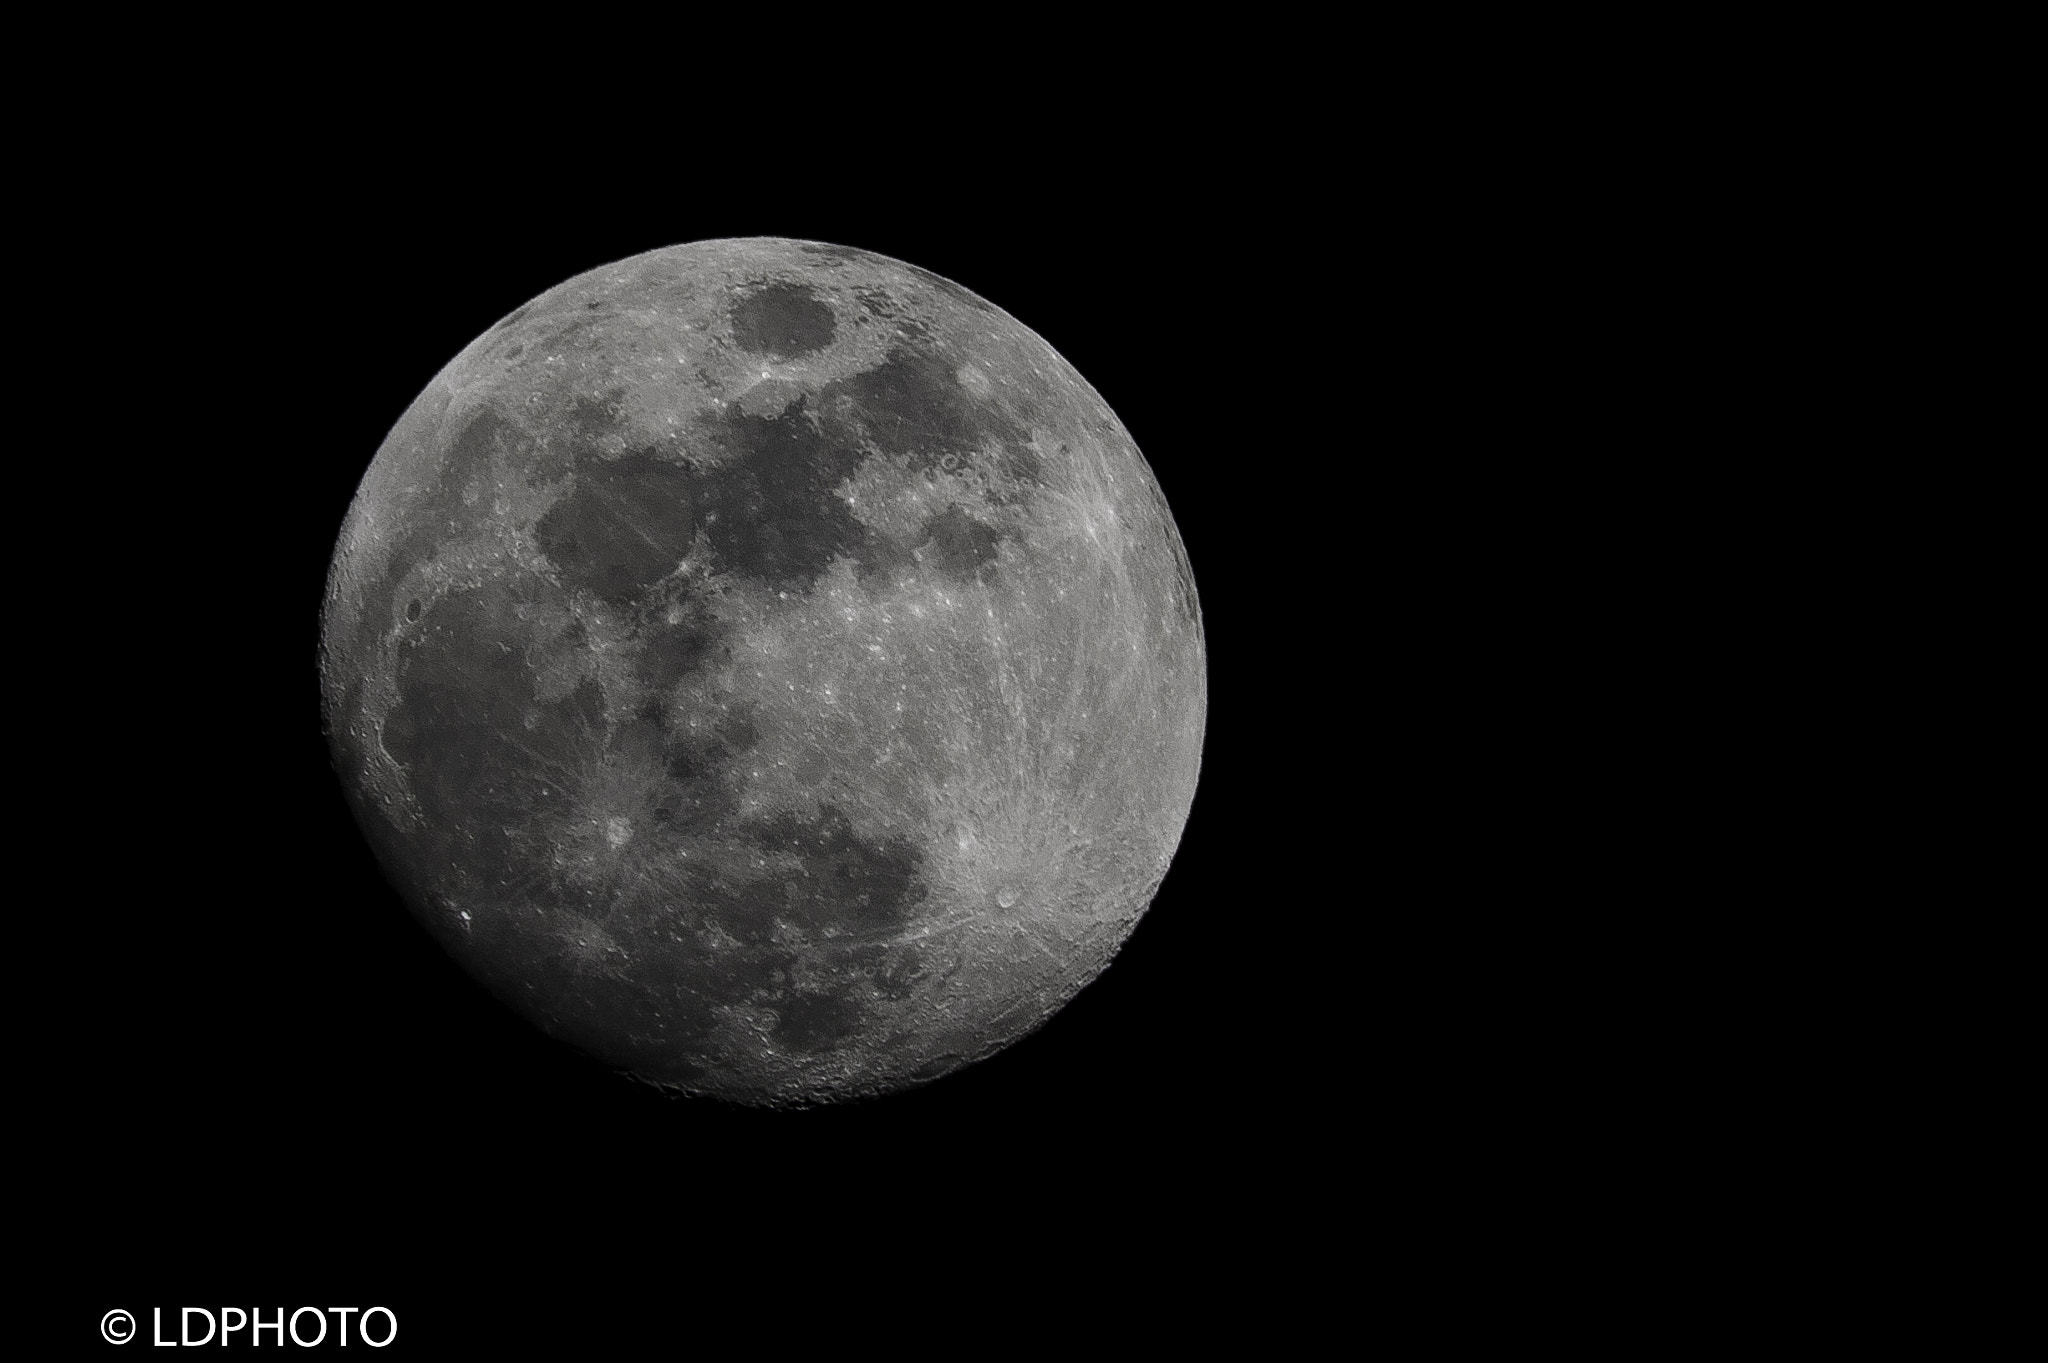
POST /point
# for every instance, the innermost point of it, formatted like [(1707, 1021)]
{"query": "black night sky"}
[(1448, 1018), (296, 1095)]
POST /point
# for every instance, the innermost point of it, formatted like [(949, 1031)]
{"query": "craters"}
[(953, 291), (819, 878), (914, 404), (770, 511), (877, 303), (345, 730), (837, 254), (846, 881), (587, 948), (881, 306), (910, 405), (623, 525), (1182, 584), (770, 506), (658, 686), (936, 1067), (768, 396), (887, 970), (594, 418), (572, 337), (815, 1021), (960, 546), (470, 725), (782, 320), (485, 437)]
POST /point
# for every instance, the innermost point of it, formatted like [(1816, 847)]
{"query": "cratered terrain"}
[(769, 667)]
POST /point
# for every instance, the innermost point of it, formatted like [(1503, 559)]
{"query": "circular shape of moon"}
[(768, 667)]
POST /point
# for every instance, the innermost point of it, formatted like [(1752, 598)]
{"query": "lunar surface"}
[(768, 667)]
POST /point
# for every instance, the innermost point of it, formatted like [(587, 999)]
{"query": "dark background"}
[(1480, 999), (1392, 1042), (293, 1097)]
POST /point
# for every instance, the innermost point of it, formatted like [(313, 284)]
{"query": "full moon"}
[(768, 667)]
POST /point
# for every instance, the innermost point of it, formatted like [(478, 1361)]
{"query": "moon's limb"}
[(771, 667)]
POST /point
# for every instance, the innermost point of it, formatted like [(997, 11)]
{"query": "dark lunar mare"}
[(769, 506), (547, 781), (496, 771), (495, 768), (783, 320)]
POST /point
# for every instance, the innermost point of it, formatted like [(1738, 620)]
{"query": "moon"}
[(768, 667)]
